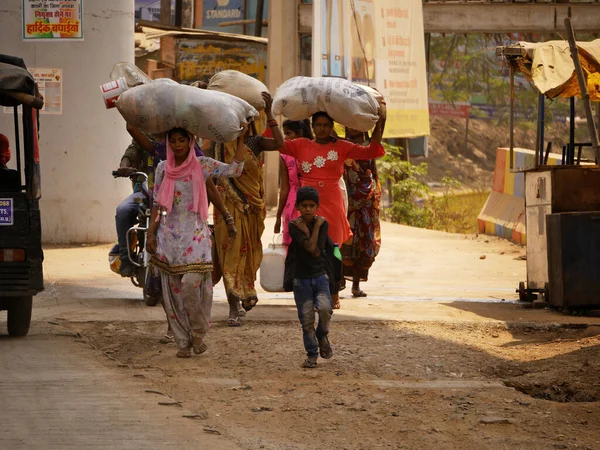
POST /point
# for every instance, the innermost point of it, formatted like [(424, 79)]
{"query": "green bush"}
[(407, 189), (412, 202)]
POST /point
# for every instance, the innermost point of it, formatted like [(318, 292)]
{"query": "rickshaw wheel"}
[(19, 316)]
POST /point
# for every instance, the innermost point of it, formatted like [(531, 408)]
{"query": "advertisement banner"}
[(379, 43), (458, 110), (52, 20), (215, 12)]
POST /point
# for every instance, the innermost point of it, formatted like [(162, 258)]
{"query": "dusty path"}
[(56, 395), (439, 356)]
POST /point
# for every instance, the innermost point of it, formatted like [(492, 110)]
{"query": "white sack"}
[(347, 103), (374, 92), (164, 104), (240, 85)]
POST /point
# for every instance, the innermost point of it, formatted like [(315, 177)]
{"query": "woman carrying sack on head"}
[(179, 237), (240, 260), (321, 164)]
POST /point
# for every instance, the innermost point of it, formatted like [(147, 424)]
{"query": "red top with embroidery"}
[(321, 166)]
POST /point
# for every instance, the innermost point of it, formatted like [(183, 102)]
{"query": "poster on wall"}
[(214, 12), (49, 83), (378, 43), (52, 20)]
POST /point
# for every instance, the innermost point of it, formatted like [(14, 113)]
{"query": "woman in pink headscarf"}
[(179, 237)]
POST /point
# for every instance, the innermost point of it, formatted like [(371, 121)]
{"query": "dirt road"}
[(439, 356)]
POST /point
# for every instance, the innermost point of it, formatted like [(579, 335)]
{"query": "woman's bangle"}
[(272, 123), (227, 217)]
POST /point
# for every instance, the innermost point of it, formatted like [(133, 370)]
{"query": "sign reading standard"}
[(52, 20), (217, 11)]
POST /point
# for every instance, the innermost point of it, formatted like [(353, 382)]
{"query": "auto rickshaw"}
[(21, 253)]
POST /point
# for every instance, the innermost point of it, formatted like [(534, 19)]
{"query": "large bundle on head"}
[(347, 103), (374, 92), (164, 104), (241, 85)]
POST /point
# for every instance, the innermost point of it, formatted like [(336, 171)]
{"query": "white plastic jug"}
[(272, 267)]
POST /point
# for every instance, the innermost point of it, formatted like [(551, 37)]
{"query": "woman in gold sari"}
[(240, 259)]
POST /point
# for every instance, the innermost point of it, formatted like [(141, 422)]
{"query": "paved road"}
[(54, 395)]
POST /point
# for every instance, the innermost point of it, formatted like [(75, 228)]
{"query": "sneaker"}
[(127, 269), (310, 363), (325, 348)]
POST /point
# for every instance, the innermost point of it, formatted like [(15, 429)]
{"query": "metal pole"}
[(571, 147), (585, 96), (542, 127), (260, 7), (18, 142), (512, 115), (538, 132)]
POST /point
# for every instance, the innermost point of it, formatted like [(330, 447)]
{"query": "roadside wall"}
[(503, 214), (80, 147)]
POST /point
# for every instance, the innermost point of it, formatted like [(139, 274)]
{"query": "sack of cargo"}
[(159, 106), (374, 92), (241, 85), (347, 103)]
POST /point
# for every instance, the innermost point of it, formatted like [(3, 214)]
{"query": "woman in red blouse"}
[(321, 164)]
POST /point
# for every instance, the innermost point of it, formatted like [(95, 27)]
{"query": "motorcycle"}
[(143, 276)]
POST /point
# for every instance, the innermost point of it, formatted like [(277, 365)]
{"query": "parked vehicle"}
[(21, 253)]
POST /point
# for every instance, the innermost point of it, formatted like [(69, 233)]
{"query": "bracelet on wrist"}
[(272, 123)]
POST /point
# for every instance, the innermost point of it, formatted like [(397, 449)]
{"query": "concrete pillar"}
[(80, 147), (283, 63)]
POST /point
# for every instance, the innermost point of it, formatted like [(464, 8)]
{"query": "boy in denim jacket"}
[(311, 283)]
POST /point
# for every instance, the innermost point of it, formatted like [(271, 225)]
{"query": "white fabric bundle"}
[(347, 103), (240, 85), (164, 104)]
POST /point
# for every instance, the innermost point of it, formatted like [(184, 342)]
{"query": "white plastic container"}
[(272, 267), (112, 90)]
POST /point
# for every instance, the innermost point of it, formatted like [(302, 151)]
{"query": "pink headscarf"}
[(191, 166)]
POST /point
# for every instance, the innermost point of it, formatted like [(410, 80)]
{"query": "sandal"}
[(309, 363), (356, 293), (337, 304), (198, 345), (184, 352), (234, 322)]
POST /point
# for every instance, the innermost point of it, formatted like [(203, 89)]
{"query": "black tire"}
[(19, 315), (523, 297)]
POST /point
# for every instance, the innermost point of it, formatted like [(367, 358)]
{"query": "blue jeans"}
[(310, 294), (126, 214)]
